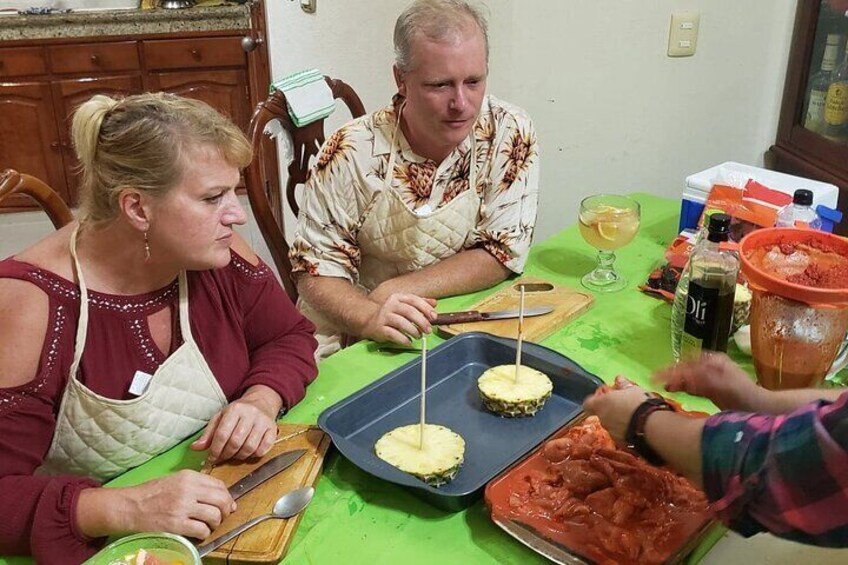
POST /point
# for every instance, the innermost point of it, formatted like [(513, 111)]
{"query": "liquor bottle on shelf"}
[(836, 103), (819, 84)]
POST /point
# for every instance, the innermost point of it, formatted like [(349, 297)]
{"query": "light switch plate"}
[(308, 6), (683, 34)]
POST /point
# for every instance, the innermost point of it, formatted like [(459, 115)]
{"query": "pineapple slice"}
[(504, 396), (436, 464), (741, 306)]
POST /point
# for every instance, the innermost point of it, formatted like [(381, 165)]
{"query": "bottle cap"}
[(719, 227), (803, 197)]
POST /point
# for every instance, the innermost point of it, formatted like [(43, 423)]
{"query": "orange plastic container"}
[(796, 330), (771, 283)]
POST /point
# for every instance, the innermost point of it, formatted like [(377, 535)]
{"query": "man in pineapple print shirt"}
[(431, 196)]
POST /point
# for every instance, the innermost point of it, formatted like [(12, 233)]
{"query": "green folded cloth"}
[(308, 96)]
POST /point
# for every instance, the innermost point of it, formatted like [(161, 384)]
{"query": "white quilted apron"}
[(395, 240), (102, 437)]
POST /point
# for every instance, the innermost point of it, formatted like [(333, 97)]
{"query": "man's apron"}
[(395, 240)]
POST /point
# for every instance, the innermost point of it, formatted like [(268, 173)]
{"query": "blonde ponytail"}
[(141, 142), (85, 128)]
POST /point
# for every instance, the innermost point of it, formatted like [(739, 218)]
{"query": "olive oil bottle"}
[(712, 284)]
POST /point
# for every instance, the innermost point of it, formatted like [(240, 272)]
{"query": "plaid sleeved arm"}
[(785, 474)]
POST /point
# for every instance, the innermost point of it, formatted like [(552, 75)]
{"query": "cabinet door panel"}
[(29, 140), (69, 95), (226, 91)]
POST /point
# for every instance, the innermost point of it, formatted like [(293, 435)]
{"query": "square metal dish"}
[(492, 443), (707, 532)]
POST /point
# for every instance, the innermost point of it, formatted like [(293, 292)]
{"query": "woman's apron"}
[(395, 240), (102, 437)]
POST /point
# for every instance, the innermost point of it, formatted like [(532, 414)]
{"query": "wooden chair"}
[(265, 201), (13, 182)]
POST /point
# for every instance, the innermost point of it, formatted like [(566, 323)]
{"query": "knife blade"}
[(264, 472), (477, 316)]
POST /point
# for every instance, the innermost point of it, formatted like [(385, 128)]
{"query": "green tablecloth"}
[(355, 518)]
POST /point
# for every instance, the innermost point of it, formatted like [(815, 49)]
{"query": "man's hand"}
[(245, 428), (186, 503), (716, 377), (401, 318)]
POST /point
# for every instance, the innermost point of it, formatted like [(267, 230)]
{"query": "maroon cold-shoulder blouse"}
[(244, 324)]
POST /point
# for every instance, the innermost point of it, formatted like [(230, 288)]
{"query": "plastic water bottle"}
[(800, 211), (681, 294), (678, 312)]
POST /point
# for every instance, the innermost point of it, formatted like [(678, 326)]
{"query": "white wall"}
[(613, 112)]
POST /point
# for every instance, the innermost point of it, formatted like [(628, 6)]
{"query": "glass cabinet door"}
[(825, 102)]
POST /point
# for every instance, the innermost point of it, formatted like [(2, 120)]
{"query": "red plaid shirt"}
[(786, 474)]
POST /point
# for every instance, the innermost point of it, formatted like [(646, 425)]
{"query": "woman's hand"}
[(187, 503), (401, 318), (716, 377), (245, 428), (615, 406)]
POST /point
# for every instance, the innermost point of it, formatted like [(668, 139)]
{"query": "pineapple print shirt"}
[(351, 170)]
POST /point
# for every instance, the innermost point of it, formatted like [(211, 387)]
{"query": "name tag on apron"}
[(140, 382)]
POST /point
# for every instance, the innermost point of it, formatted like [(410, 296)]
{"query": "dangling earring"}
[(146, 248)]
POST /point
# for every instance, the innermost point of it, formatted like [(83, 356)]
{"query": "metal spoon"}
[(286, 506)]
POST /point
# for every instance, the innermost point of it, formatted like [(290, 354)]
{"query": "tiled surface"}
[(20, 230), (767, 549)]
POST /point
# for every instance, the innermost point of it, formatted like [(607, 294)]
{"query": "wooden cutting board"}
[(268, 541), (568, 303)]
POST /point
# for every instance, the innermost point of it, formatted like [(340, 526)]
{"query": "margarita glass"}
[(607, 222)]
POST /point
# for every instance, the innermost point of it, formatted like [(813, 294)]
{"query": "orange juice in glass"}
[(607, 222)]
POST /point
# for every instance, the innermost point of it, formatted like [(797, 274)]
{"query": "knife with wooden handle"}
[(477, 316)]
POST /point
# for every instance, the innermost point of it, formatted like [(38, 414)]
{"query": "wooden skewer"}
[(291, 435), (520, 334), (423, 390)]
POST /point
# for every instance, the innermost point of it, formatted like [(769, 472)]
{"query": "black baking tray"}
[(492, 443)]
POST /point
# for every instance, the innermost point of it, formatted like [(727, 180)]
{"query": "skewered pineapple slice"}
[(436, 464), (504, 396)]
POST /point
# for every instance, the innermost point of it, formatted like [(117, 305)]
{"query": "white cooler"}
[(698, 187)]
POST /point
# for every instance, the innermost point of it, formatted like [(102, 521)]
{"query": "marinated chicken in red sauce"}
[(604, 503)]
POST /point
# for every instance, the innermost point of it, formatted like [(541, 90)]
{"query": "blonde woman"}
[(132, 329)]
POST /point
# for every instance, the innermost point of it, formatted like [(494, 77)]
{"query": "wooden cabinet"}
[(29, 136), (67, 97), (225, 90), (802, 146), (43, 82)]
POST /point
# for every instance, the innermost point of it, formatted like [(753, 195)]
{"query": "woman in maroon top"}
[(133, 328)]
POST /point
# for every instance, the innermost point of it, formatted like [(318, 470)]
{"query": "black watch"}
[(635, 435)]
